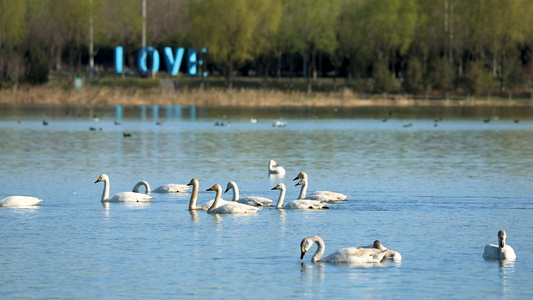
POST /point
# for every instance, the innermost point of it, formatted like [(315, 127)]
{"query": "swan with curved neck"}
[(501, 251), (120, 197), (275, 169), (249, 200), (146, 185), (323, 196), (230, 207), (296, 204), (19, 201), (350, 255)]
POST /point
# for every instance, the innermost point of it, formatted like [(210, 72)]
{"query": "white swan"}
[(249, 200), (138, 186), (296, 204), (19, 201), (171, 188), (500, 251), (194, 196), (389, 254), (230, 207), (350, 255), (120, 197), (323, 196), (275, 169)]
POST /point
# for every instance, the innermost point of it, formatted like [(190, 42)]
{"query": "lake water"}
[(437, 194)]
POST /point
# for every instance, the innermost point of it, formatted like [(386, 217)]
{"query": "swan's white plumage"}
[(120, 197), (230, 207), (194, 197), (249, 200), (390, 255), (350, 255), (296, 204), (19, 201), (323, 196), (500, 251), (171, 188), (275, 169)]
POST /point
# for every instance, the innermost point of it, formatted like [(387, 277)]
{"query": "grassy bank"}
[(246, 93), (222, 97)]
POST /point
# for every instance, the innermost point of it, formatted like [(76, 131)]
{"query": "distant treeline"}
[(381, 46)]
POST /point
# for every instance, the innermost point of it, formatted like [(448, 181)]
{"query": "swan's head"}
[(280, 186), (215, 187), (102, 177), (272, 163), (305, 244), (301, 182), (377, 244), (301, 175), (501, 238), (193, 182), (230, 185)]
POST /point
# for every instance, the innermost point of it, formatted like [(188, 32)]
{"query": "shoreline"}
[(92, 96)]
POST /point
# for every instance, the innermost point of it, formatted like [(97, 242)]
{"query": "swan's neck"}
[(194, 197), (217, 201), (271, 165), (105, 193), (320, 250), (281, 198), (235, 192), (142, 183), (502, 243), (303, 189)]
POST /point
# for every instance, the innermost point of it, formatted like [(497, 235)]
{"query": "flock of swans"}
[(371, 254)]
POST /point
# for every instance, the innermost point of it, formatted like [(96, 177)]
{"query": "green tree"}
[(228, 28), (12, 32)]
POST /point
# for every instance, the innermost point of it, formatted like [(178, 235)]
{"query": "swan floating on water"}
[(120, 197), (323, 196), (194, 197), (350, 255), (249, 200), (19, 201), (137, 187), (275, 169), (389, 254), (296, 204), (500, 251), (171, 188), (230, 207)]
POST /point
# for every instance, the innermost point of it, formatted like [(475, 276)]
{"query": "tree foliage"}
[(438, 46)]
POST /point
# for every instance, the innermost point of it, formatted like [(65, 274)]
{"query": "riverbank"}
[(236, 97)]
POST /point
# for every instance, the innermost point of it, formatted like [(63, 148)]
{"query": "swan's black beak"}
[(298, 183), (302, 253), (211, 188), (98, 180), (274, 188), (227, 189), (296, 178)]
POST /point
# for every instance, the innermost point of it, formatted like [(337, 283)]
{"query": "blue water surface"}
[(437, 192)]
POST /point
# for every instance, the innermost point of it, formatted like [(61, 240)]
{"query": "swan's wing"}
[(255, 201), (172, 188), (491, 251), (508, 253), (129, 197), (208, 204), (355, 255), (19, 201), (304, 204), (326, 196), (235, 208)]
